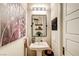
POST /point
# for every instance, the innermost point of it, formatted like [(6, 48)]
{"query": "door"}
[(71, 29)]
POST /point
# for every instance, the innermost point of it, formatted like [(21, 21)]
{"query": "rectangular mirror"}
[(39, 25)]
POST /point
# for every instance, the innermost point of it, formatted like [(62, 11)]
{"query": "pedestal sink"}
[(39, 46)]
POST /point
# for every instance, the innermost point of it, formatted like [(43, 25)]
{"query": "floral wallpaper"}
[(11, 27)]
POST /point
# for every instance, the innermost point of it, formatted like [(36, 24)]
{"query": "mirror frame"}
[(32, 25)]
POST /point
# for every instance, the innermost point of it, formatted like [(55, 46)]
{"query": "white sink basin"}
[(39, 46)]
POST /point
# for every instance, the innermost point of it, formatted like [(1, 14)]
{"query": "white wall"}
[(15, 48), (54, 40), (56, 36), (29, 35)]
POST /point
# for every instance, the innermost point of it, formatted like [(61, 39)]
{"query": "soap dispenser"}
[(33, 39)]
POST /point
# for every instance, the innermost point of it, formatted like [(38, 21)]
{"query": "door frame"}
[(60, 29)]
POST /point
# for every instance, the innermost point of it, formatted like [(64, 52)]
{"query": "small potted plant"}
[(38, 33)]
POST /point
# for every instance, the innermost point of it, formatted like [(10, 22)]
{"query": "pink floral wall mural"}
[(12, 24)]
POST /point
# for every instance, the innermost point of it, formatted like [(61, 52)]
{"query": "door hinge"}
[(63, 51)]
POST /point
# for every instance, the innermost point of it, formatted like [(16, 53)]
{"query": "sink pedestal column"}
[(39, 52)]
